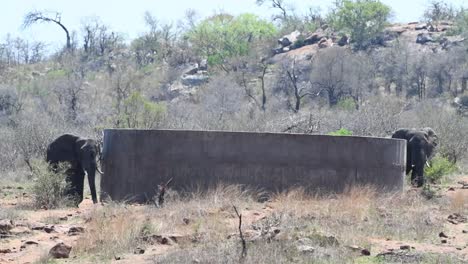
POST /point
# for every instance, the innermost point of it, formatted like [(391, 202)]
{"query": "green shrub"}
[(440, 167), (347, 104), (341, 132), (49, 188)]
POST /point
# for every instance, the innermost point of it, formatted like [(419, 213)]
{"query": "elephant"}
[(420, 146), (81, 153)]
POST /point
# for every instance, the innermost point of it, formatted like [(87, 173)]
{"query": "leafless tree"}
[(56, 18)]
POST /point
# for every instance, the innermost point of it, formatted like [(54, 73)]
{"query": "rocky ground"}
[(360, 226)]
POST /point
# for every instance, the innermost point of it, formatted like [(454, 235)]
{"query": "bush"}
[(341, 132), (49, 188), (440, 167)]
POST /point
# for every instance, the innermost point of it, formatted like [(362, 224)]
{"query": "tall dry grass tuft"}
[(459, 203), (110, 230)]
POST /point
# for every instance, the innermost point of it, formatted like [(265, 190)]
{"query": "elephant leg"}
[(76, 181), (417, 175), (79, 185), (409, 163)]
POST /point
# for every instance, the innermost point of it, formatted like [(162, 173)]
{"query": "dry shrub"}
[(49, 188), (111, 230)]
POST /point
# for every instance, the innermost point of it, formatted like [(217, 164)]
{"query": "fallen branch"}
[(244, 245), (162, 191)]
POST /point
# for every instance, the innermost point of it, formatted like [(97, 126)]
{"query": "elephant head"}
[(87, 155), (81, 153), (421, 147)]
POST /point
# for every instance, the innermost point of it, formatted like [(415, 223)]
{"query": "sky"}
[(126, 16)]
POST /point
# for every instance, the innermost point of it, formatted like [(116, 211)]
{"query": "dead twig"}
[(244, 245)]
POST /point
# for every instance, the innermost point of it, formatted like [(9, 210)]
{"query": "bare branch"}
[(244, 245)]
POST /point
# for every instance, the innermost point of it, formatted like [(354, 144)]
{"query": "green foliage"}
[(55, 74), (362, 19), (460, 26), (347, 104), (341, 132), (440, 167), (139, 112), (49, 188), (223, 36)]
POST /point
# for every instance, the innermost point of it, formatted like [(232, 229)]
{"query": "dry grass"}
[(358, 214), (459, 203), (327, 223), (110, 230)]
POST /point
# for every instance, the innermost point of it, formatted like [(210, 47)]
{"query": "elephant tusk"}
[(427, 163), (100, 172)]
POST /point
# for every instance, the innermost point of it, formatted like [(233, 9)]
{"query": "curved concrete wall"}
[(136, 161)]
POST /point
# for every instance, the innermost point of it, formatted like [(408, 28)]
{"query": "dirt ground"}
[(186, 227)]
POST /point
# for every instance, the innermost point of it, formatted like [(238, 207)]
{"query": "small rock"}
[(405, 247), (49, 229), (64, 218), (69, 215), (459, 248), (74, 230), (443, 241), (6, 225), (442, 234), (305, 249), (456, 219), (5, 251), (365, 252), (37, 226), (451, 189), (139, 251), (186, 221), (117, 257), (465, 231), (61, 250), (28, 243)]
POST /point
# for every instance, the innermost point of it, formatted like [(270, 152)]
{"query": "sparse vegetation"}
[(344, 72), (49, 187)]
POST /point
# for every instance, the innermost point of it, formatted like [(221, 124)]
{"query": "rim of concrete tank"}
[(252, 133)]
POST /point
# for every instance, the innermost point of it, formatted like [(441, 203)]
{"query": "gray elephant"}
[(81, 153), (420, 146)]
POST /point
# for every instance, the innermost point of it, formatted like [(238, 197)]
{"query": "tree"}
[(223, 36), (141, 113), (38, 17), (278, 4), (340, 74), (362, 19), (157, 44), (438, 11)]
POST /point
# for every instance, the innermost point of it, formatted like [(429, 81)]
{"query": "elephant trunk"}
[(91, 171)]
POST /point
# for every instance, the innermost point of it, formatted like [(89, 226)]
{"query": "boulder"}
[(289, 39), (305, 249), (203, 65), (424, 38), (194, 80), (314, 38), (421, 26), (60, 250), (343, 41), (325, 43)]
